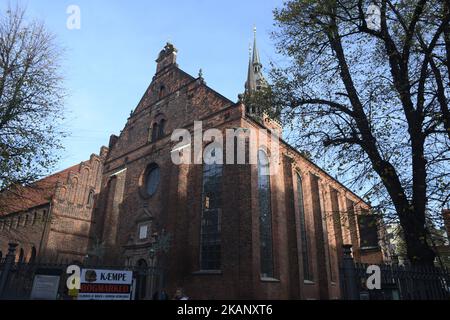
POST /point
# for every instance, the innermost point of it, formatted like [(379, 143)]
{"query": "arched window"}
[(73, 191), (21, 255), (210, 239), (162, 92), (90, 200), (162, 125), (155, 132), (33, 255), (265, 216), (152, 179), (307, 274), (141, 279)]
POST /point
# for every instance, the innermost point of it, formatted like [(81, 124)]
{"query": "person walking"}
[(180, 295)]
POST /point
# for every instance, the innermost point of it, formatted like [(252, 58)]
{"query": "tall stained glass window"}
[(210, 240), (307, 274), (265, 216)]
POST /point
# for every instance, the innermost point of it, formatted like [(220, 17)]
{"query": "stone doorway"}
[(141, 280)]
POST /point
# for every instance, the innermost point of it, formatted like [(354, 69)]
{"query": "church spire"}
[(255, 79), (249, 84), (259, 110), (255, 60)]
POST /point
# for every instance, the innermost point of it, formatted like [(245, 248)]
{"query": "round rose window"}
[(152, 180)]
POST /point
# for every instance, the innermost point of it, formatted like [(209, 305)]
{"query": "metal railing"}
[(397, 282)]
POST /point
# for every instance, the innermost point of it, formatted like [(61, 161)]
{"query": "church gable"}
[(173, 100), (170, 79), (163, 84)]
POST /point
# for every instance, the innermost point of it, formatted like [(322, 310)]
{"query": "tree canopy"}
[(366, 84), (31, 99)]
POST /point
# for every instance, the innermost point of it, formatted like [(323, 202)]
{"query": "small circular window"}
[(152, 180)]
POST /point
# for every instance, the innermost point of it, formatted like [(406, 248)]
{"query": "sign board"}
[(99, 284), (45, 287)]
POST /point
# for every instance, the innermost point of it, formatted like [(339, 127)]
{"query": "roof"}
[(22, 198)]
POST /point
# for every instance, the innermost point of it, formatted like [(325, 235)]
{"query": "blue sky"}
[(110, 61)]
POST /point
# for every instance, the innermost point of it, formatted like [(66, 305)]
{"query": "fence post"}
[(9, 261), (349, 272)]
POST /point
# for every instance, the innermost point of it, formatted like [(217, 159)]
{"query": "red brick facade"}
[(123, 209), (176, 207), (54, 221)]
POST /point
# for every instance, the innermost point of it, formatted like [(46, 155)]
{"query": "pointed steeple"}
[(250, 83), (255, 60), (256, 82), (255, 79)]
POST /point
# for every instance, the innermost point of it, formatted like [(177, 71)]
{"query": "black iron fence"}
[(17, 278), (19, 282), (396, 282)]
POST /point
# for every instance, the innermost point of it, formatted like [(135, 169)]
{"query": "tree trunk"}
[(418, 250)]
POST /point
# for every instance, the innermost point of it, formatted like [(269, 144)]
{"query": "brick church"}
[(220, 231)]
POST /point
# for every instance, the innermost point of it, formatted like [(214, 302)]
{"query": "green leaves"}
[(362, 101)]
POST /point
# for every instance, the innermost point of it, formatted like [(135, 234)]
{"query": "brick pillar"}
[(292, 229), (114, 200), (352, 218), (344, 220), (245, 193), (336, 221), (321, 238), (179, 204)]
